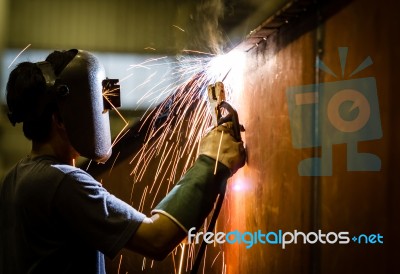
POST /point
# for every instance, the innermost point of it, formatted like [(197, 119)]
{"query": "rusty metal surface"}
[(353, 201), (275, 197), (364, 202)]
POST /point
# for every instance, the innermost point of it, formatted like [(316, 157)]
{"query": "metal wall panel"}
[(357, 201), (362, 201), (274, 197)]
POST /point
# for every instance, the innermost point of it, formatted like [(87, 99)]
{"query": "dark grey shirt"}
[(55, 218)]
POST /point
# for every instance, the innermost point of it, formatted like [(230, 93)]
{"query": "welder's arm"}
[(192, 199), (156, 237)]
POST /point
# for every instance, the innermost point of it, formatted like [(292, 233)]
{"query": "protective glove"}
[(220, 145), (193, 197)]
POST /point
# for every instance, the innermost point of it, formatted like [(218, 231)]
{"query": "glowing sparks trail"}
[(166, 134), (119, 265), (142, 65), (179, 28), (125, 78), (19, 55), (181, 259), (172, 131), (175, 128), (198, 52), (112, 166), (106, 95), (219, 148)]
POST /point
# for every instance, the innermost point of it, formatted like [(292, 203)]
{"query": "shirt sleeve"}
[(91, 212)]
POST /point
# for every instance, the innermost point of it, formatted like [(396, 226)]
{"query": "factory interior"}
[(314, 86)]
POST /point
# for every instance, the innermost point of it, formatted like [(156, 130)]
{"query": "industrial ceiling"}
[(134, 25)]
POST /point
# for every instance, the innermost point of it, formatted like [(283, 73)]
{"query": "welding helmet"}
[(84, 95)]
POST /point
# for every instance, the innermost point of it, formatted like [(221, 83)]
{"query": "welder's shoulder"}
[(48, 167), (73, 173), (57, 178)]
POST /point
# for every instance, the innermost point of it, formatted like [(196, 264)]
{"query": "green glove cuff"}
[(193, 197)]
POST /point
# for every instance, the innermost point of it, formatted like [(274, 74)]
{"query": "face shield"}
[(84, 96)]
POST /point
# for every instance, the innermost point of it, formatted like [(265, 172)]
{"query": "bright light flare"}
[(223, 64), (239, 184)]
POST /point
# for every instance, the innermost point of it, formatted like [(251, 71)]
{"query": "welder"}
[(56, 218)]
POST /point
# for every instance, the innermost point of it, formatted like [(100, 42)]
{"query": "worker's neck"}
[(61, 153)]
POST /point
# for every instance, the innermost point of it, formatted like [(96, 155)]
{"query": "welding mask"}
[(84, 96)]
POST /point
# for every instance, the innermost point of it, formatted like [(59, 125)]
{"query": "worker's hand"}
[(227, 150)]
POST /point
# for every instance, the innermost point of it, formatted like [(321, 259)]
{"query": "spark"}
[(173, 261), (181, 260), (179, 28), (119, 265), (141, 205), (219, 148), (122, 132), (190, 256), (199, 52), (223, 263), (142, 65), (123, 79), (204, 260), (144, 263), (215, 258), (90, 162), (112, 166), (19, 55), (131, 198)]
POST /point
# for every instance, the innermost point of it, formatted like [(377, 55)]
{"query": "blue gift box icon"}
[(341, 112)]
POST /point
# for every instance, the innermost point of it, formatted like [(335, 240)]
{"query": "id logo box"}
[(341, 112)]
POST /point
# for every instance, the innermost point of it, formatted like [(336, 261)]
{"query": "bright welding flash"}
[(239, 184)]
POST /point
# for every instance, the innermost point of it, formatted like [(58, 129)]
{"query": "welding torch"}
[(217, 101)]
